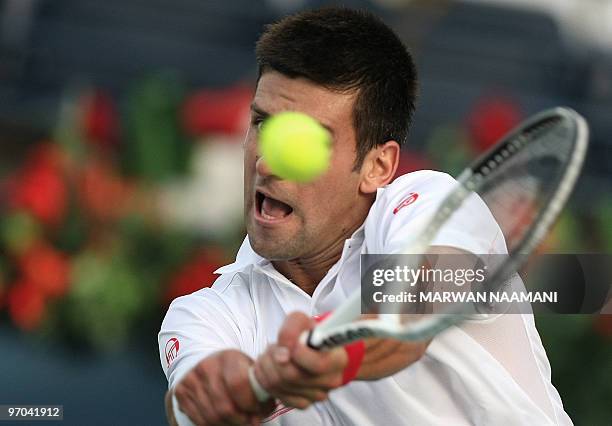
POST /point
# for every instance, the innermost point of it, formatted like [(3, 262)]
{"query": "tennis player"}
[(301, 259)]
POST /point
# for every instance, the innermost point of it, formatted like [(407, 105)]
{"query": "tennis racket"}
[(524, 180)]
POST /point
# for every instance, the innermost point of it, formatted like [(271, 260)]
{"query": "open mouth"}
[(270, 209)]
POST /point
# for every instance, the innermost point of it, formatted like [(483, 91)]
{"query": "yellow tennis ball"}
[(295, 146)]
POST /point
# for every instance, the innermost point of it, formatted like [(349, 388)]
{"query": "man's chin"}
[(273, 251)]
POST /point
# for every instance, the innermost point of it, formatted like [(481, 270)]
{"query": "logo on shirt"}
[(172, 348), (411, 198)]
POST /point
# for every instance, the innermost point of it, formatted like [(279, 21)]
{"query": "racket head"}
[(524, 181), (541, 159)]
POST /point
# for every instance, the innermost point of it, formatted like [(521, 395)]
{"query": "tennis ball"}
[(295, 146)]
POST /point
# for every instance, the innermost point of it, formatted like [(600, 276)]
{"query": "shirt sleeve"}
[(195, 327), (403, 208)]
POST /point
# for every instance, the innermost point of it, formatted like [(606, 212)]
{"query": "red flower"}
[(411, 161), (47, 155), (491, 119), (218, 111), (102, 191), (26, 305), (2, 295), (198, 273), (40, 188), (101, 122), (47, 269)]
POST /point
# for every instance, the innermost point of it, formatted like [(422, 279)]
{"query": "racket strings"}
[(518, 189)]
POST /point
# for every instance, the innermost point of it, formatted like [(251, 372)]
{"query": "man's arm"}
[(217, 392), (299, 376), (384, 357)]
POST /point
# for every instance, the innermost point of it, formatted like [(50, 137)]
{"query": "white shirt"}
[(487, 371)]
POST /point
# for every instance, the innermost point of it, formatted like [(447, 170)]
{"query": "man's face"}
[(287, 220)]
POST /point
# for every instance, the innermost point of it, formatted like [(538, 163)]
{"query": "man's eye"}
[(257, 122)]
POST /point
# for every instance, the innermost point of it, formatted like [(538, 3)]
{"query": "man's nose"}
[(262, 168)]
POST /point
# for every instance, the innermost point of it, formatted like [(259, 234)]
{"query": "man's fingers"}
[(286, 380), (188, 404), (206, 401), (295, 324), (241, 394), (266, 372), (216, 391), (294, 376), (319, 362), (222, 405), (274, 375), (220, 401), (325, 382)]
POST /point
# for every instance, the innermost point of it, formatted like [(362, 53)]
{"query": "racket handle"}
[(261, 394)]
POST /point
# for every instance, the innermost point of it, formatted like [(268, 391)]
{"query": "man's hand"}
[(296, 374), (299, 376), (217, 392)]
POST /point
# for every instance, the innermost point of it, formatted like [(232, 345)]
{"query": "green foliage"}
[(18, 230), (157, 148), (581, 361)]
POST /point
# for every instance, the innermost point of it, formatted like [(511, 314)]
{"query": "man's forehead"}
[(276, 93)]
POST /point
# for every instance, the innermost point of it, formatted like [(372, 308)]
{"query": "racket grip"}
[(261, 394)]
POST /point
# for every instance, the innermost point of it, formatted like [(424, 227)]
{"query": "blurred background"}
[(121, 171)]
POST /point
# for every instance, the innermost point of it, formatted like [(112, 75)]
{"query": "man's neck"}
[(307, 273)]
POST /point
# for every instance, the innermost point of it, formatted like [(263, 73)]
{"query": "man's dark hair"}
[(348, 51)]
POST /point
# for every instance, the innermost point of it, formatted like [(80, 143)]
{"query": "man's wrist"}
[(356, 353)]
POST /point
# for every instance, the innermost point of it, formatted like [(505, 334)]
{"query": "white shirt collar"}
[(246, 256)]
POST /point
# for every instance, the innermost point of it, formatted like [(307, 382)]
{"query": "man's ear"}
[(379, 167)]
